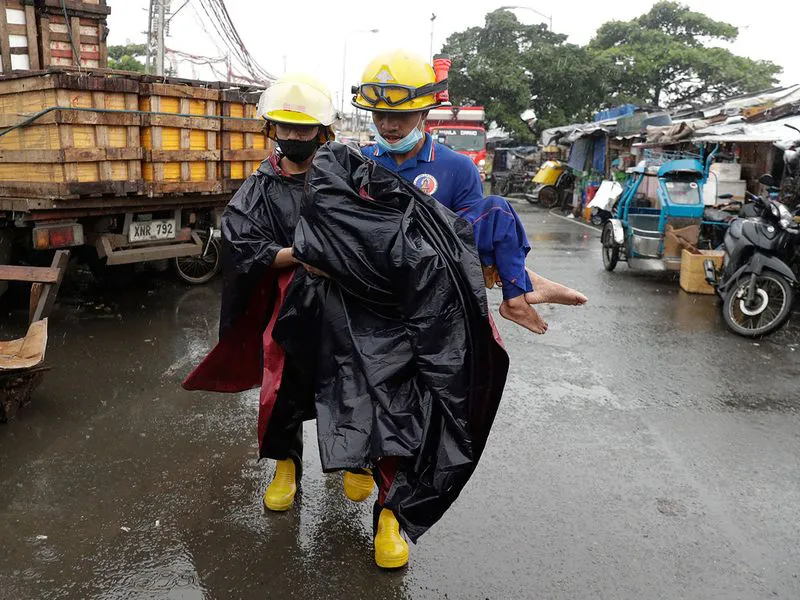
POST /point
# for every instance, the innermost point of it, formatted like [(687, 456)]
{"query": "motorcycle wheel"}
[(502, 187), (610, 248), (771, 309), (549, 197), (196, 270)]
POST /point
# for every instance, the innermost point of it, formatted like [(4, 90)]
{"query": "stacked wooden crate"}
[(18, 38), (83, 31), (181, 138), (73, 148), (71, 133), (244, 141)]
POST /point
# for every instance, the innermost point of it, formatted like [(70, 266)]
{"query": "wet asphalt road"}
[(641, 452)]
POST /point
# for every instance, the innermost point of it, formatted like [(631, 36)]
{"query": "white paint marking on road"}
[(575, 221)]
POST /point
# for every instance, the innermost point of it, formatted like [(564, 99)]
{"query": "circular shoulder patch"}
[(427, 183)]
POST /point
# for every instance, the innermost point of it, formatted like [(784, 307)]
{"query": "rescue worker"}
[(258, 228), (399, 89)]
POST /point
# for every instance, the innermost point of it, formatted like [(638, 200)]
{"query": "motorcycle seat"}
[(717, 215)]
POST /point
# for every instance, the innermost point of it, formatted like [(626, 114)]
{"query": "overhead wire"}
[(238, 38), (217, 14)]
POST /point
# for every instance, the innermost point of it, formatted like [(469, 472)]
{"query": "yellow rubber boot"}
[(280, 493), (358, 486), (391, 550)]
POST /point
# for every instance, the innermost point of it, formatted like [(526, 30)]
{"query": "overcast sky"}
[(311, 34)]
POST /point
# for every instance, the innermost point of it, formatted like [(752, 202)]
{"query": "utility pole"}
[(162, 25), (433, 18), (147, 61), (156, 32)]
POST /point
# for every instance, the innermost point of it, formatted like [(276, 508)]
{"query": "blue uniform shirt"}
[(453, 180), (438, 171)]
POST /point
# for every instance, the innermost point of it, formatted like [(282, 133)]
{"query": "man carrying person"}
[(399, 89)]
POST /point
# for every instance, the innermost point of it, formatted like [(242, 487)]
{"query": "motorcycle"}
[(605, 201), (512, 173), (761, 267), (555, 181)]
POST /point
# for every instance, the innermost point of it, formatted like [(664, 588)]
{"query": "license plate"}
[(148, 231)]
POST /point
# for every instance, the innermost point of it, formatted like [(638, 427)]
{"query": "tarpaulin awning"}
[(771, 131), (571, 133)]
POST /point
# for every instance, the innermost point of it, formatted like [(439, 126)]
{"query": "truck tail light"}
[(48, 237)]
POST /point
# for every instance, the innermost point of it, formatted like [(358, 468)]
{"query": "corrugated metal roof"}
[(770, 131)]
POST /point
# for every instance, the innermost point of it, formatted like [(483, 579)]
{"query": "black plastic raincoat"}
[(399, 341)]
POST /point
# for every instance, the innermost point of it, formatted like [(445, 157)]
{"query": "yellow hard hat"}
[(298, 99), (398, 81)]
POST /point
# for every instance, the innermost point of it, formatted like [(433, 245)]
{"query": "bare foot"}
[(550, 292), (524, 315)]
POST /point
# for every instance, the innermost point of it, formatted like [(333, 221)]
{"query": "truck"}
[(122, 168), (462, 129), (118, 168)]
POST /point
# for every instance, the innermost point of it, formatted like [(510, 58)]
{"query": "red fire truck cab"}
[(460, 128)]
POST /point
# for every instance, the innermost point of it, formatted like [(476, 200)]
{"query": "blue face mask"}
[(401, 147)]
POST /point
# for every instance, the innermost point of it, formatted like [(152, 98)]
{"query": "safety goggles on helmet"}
[(394, 94)]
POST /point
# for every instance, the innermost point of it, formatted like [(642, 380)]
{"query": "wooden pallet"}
[(169, 137), (21, 360), (70, 153), (181, 152), (96, 8), (244, 142), (19, 50), (79, 39)]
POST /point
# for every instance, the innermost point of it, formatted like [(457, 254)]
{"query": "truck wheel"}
[(196, 270)]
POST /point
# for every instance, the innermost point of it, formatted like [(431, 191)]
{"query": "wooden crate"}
[(83, 31), (70, 153), (693, 275), (19, 49), (181, 142), (244, 142)]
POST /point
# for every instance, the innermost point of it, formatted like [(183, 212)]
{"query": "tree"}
[(666, 57), (509, 67), (124, 58)]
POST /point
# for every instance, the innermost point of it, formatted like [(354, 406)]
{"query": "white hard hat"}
[(297, 99)]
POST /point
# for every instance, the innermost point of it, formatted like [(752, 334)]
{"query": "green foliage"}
[(669, 56), (123, 58), (509, 67)]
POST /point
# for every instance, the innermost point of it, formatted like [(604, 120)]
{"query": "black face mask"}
[(298, 151)]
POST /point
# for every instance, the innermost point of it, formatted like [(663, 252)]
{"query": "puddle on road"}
[(170, 574)]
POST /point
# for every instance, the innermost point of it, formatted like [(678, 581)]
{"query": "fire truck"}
[(462, 129)]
